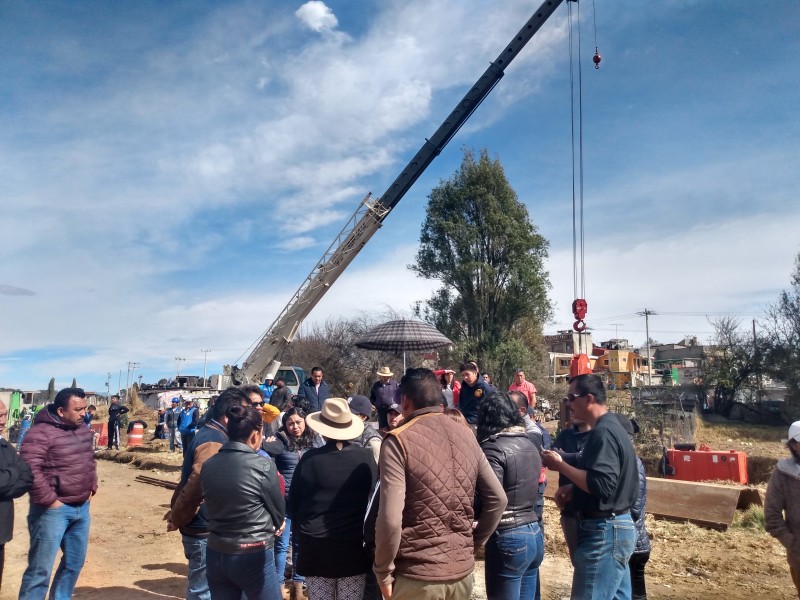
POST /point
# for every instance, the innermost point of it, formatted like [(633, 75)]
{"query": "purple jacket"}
[(61, 459)]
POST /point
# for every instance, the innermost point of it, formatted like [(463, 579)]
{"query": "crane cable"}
[(578, 245)]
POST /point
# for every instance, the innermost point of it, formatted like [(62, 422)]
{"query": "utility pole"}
[(119, 383), (758, 364), (178, 360), (616, 330), (108, 388), (646, 314), (205, 361), (131, 368)]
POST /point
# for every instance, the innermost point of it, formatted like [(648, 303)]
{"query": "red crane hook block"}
[(579, 308), (596, 59)]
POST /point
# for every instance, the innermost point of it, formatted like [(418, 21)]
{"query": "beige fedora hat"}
[(384, 372), (335, 421)]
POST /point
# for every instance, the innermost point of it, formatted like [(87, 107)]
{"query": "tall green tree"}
[(74, 383), (783, 342), (51, 390), (479, 241)]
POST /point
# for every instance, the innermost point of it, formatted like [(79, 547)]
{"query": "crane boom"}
[(370, 214)]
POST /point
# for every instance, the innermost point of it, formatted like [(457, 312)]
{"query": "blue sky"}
[(170, 172)]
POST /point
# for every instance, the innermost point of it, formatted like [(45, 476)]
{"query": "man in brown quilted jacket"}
[(431, 470)]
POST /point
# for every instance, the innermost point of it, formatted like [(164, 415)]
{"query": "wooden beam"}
[(707, 504)]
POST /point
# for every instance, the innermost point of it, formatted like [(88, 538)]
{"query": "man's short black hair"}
[(230, 397), (62, 397), (281, 379), (520, 399), (469, 366), (320, 369), (91, 407), (589, 383), (421, 388), (252, 388)]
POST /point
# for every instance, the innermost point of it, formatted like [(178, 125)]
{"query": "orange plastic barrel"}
[(102, 429), (135, 437)]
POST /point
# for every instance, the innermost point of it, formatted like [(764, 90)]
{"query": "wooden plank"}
[(708, 504), (170, 485)]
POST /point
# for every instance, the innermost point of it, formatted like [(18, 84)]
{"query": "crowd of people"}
[(395, 511)]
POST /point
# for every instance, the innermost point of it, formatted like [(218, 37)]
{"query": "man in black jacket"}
[(115, 410), (187, 511), (313, 392), (473, 390), (15, 479)]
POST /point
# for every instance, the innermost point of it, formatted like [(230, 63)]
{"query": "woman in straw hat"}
[(327, 500)]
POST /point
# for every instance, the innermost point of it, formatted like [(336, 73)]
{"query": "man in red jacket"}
[(58, 449)]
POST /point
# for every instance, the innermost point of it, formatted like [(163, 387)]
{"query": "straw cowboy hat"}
[(384, 372), (335, 421)]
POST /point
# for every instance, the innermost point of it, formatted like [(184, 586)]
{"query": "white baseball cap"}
[(794, 432)]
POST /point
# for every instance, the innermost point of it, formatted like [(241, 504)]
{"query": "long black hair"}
[(306, 440), (242, 421), (496, 413)]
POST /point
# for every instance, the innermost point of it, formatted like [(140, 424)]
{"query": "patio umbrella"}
[(404, 335)]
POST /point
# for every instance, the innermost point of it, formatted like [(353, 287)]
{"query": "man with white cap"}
[(782, 506), (383, 394), (268, 386), (171, 419)]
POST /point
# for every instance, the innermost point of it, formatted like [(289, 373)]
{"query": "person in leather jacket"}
[(246, 510), (515, 550)]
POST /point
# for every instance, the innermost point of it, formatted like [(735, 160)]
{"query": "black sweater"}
[(328, 500)]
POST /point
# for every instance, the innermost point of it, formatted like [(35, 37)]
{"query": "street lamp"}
[(205, 361)]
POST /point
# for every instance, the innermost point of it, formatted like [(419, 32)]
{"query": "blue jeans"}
[(67, 528), (601, 559), (282, 549), (512, 562), (232, 575), (194, 549)]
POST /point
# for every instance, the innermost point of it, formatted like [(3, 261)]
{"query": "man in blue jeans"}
[(605, 484), (58, 449)]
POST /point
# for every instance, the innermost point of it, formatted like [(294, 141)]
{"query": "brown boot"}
[(297, 591)]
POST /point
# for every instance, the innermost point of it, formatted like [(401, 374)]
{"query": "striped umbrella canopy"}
[(404, 335)]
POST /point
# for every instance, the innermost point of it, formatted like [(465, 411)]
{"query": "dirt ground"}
[(132, 557)]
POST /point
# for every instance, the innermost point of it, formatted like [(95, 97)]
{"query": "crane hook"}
[(596, 59)]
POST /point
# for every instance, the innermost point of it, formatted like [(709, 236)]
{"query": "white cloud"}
[(706, 269), (317, 16)]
